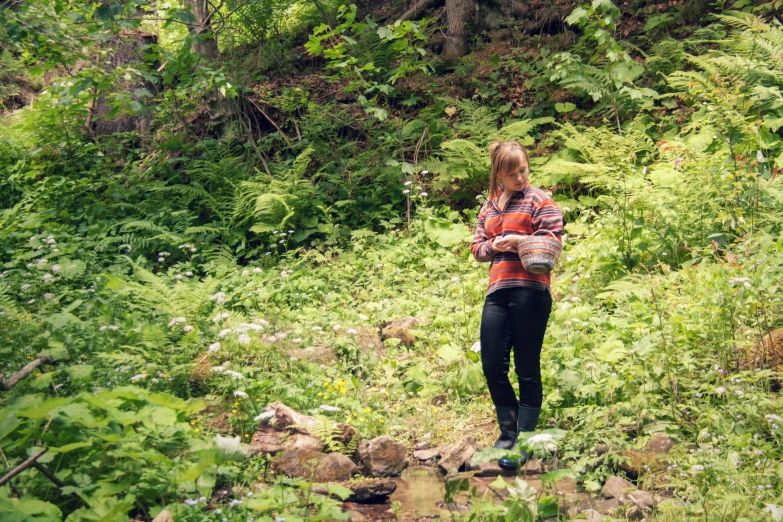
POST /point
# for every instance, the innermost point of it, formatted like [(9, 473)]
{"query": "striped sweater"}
[(526, 211)]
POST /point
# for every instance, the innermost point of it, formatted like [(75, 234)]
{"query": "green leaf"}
[(445, 233), (80, 373), (577, 16), (564, 107), (449, 353), (557, 475), (339, 491), (71, 447)]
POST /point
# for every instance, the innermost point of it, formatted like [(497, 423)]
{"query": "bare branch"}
[(23, 466), (21, 374)]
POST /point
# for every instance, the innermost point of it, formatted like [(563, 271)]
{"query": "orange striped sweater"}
[(526, 211)]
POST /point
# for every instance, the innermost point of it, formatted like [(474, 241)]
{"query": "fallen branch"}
[(421, 5), (21, 374), (29, 463), (254, 104)]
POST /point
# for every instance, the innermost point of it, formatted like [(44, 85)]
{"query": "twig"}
[(254, 104), (48, 474), (23, 466), (21, 374)]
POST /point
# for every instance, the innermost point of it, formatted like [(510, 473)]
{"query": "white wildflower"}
[(326, 407), (245, 273), (190, 502), (336, 327), (240, 393), (177, 320), (243, 339), (224, 332), (235, 375), (424, 172), (189, 273), (541, 438), (406, 191), (284, 273), (212, 348), (262, 321), (264, 416), (56, 268), (42, 262), (317, 329), (103, 328), (24, 287), (363, 317), (220, 317), (31, 301), (113, 327), (219, 297), (454, 279), (772, 418), (720, 391), (160, 260), (257, 270), (351, 331), (234, 503), (281, 335), (139, 377), (47, 277), (408, 183), (738, 280), (297, 340), (697, 468), (424, 194), (188, 328), (178, 277)]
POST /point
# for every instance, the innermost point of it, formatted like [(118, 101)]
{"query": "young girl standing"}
[(518, 302)]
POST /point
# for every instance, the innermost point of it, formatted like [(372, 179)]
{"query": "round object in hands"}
[(539, 254)]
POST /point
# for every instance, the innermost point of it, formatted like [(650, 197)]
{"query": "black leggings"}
[(514, 317)]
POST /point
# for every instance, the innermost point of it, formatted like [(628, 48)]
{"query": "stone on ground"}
[(315, 466), (615, 487), (454, 459), (401, 329), (429, 454), (382, 457)]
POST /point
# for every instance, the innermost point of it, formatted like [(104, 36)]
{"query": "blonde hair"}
[(505, 156)]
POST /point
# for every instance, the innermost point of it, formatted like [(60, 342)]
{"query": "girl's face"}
[(517, 179)]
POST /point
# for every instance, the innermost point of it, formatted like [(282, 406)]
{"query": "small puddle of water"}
[(420, 493)]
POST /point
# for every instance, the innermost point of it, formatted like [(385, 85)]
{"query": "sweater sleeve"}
[(480, 246), (548, 215)]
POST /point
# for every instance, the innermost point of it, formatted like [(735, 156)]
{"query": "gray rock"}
[(335, 467), (660, 443), (491, 469), (370, 490), (401, 329), (615, 487), (593, 516), (299, 463), (301, 441), (429, 454), (315, 466), (458, 455), (382, 457)]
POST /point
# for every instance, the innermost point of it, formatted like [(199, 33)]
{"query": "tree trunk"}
[(459, 13), (204, 40), (129, 48)]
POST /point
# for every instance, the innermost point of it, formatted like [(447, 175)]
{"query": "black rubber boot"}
[(526, 421), (507, 420)]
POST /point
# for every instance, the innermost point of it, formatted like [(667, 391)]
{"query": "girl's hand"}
[(507, 243)]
